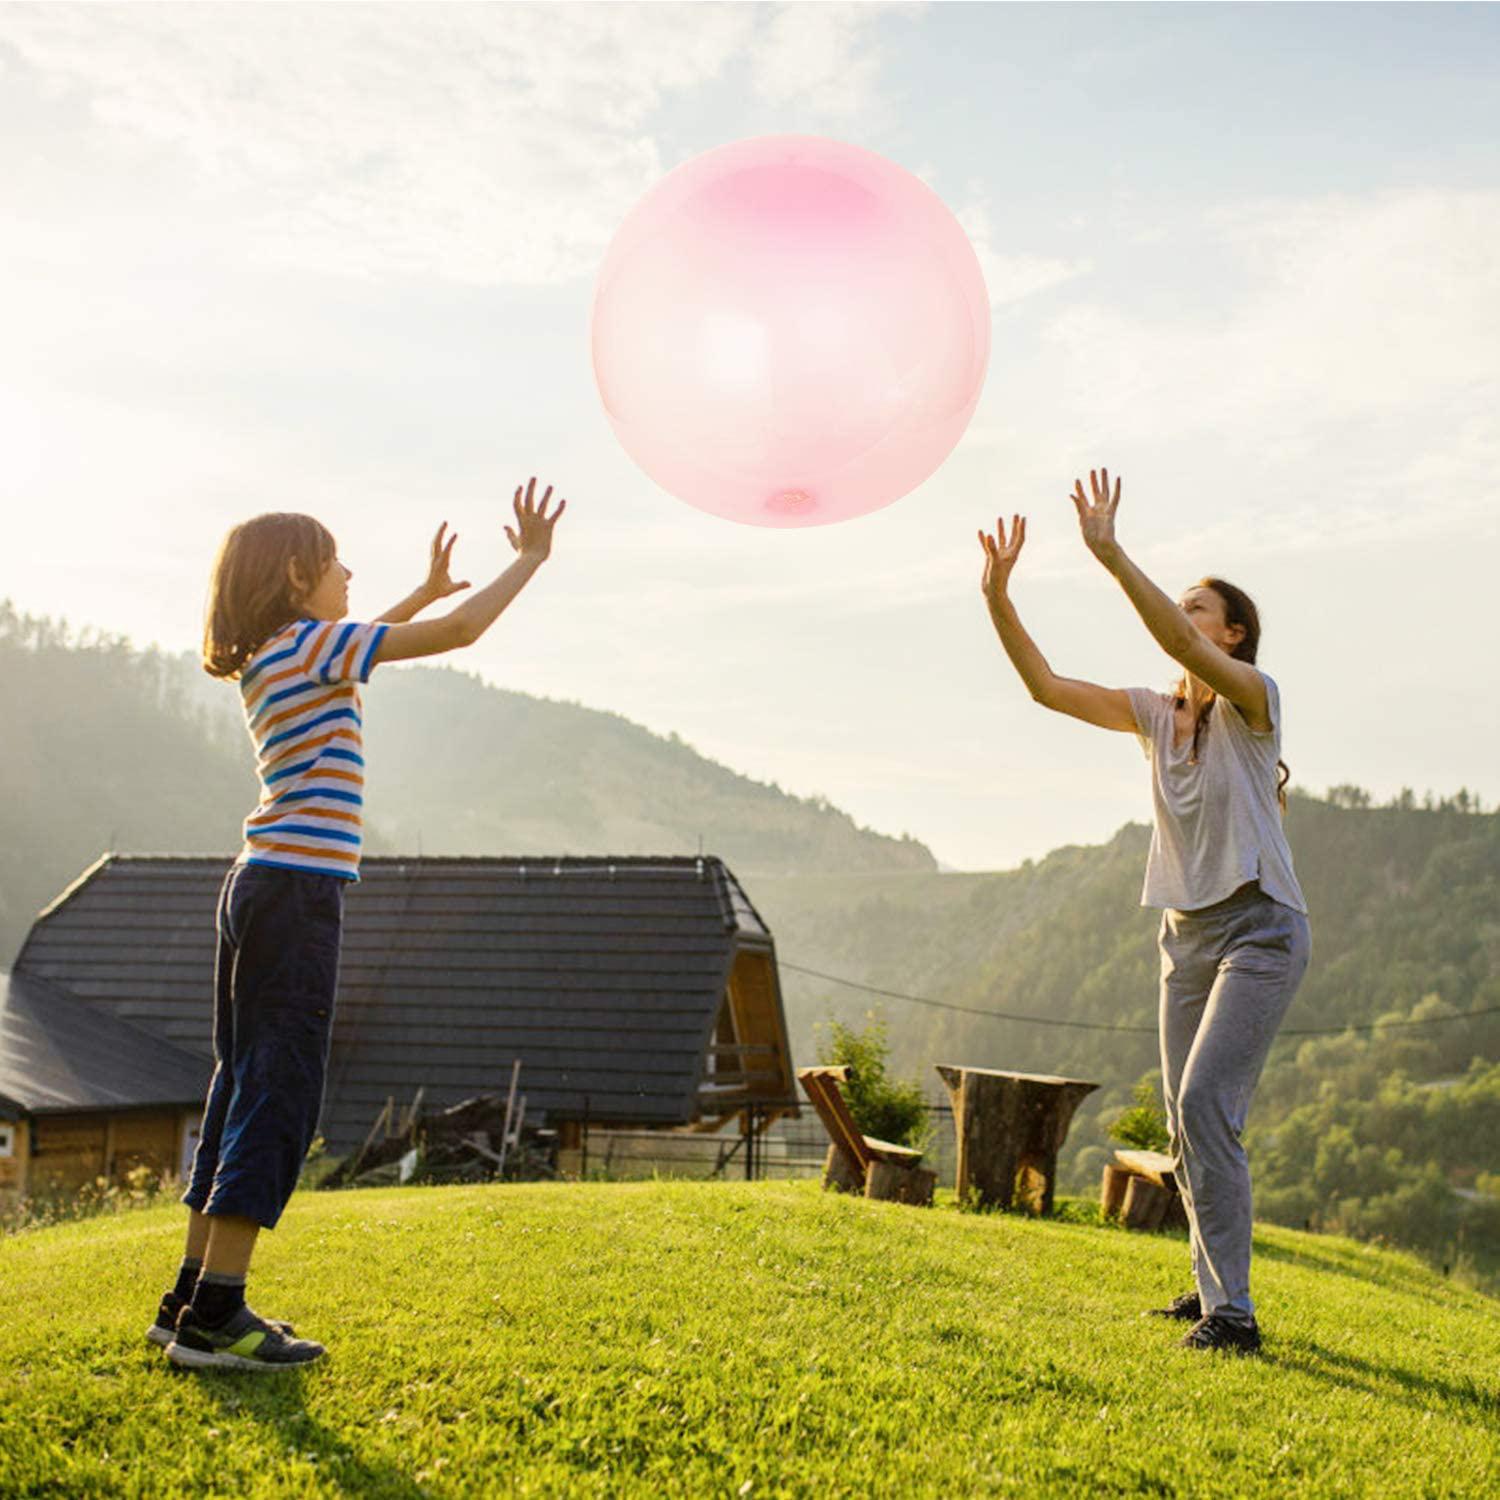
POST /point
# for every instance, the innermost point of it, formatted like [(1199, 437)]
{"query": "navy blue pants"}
[(274, 982)]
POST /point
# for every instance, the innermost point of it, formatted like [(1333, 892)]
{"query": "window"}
[(7, 1139)]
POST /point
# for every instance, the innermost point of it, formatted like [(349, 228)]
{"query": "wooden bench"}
[(858, 1162), (1010, 1127), (1140, 1189)]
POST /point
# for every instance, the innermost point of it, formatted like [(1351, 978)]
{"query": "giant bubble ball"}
[(790, 331)]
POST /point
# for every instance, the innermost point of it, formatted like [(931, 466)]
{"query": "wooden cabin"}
[(85, 1094), (635, 992)]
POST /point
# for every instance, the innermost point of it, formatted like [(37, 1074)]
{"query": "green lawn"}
[(736, 1339)]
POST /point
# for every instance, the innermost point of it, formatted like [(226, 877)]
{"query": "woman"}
[(1234, 932)]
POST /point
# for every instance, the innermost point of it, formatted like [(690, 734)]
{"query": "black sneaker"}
[(1187, 1308), (164, 1329), (1215, 1332), (244, 1342)]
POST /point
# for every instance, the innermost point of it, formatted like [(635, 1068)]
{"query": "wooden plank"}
[(826, 1099), (1155, 1166)]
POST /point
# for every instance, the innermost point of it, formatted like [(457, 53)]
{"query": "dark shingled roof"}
[(59, 1055), (604, 976)]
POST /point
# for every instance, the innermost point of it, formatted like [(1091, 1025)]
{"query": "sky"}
[(340, 259)]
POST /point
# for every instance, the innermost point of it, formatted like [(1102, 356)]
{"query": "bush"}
[(1144, 1125), (891, 1109)]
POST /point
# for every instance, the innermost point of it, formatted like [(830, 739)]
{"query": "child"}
[(1234, 934), (277, 594)]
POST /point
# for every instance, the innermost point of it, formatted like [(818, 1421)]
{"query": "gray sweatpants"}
[(1228, 973)]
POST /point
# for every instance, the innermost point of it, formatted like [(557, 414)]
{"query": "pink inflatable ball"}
[(790, 331)]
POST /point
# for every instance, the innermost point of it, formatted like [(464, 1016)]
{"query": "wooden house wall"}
[(71, 1151), (13, 1168)]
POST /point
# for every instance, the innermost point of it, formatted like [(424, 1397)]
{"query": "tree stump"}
[(1010, 1127), (841, 1172), (896, 1184), (1145, 1204), (1112, 1191)]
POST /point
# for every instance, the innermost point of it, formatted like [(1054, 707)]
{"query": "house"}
[(636, 992), (84, 1094)]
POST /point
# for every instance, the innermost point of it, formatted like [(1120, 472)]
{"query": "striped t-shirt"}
[(302, 709)]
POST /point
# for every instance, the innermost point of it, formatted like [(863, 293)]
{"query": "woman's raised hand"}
[(532, 534), (1000, 555), (1096, 517)]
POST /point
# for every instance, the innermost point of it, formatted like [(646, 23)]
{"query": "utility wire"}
[(1009, 1015)]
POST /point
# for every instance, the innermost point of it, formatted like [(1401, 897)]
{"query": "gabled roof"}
[(59, 1055), (604, 976)]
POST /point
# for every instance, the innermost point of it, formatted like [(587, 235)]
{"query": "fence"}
[(788, 1149)]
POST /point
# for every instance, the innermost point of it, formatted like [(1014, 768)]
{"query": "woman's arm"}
[(438, 585), (1238, 681), (1109, 708), (532, 540)]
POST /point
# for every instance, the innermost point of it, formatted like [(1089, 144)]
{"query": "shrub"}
[(891, 1109), (1144, 1124)]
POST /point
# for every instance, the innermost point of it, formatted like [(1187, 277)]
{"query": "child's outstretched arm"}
[(438, 585), (1109, 708), (1238, 681), (532, 540)]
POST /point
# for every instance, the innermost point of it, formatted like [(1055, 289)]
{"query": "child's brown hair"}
[(250, 593)]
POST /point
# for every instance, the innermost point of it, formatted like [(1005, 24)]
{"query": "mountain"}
[(109, 747)]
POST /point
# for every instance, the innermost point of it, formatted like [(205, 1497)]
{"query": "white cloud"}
[(1355, 305), (485, 144), (1010, 278), (817, 55)]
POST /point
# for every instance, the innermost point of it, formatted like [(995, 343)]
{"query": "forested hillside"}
[(107, 747), (1387, 1130)]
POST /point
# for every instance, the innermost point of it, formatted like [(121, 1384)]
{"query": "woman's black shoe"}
[(1214, 1332), (1187, 1307)]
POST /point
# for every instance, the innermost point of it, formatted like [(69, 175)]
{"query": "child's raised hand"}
[(1000, 555), (532, 534), (439, 580)]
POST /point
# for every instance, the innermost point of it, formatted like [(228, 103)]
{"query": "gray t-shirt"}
[(1218, 822)]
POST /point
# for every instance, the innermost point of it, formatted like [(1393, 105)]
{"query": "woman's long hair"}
[(1239, 609), (250, 594)]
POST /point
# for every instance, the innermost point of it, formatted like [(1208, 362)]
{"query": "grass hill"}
[(737, 1340)]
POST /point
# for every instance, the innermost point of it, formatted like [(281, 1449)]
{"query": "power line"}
[(1010, 1015)]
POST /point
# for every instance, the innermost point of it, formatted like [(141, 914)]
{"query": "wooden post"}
[(570, 1148), (510, 1106), (1010, 1127)]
